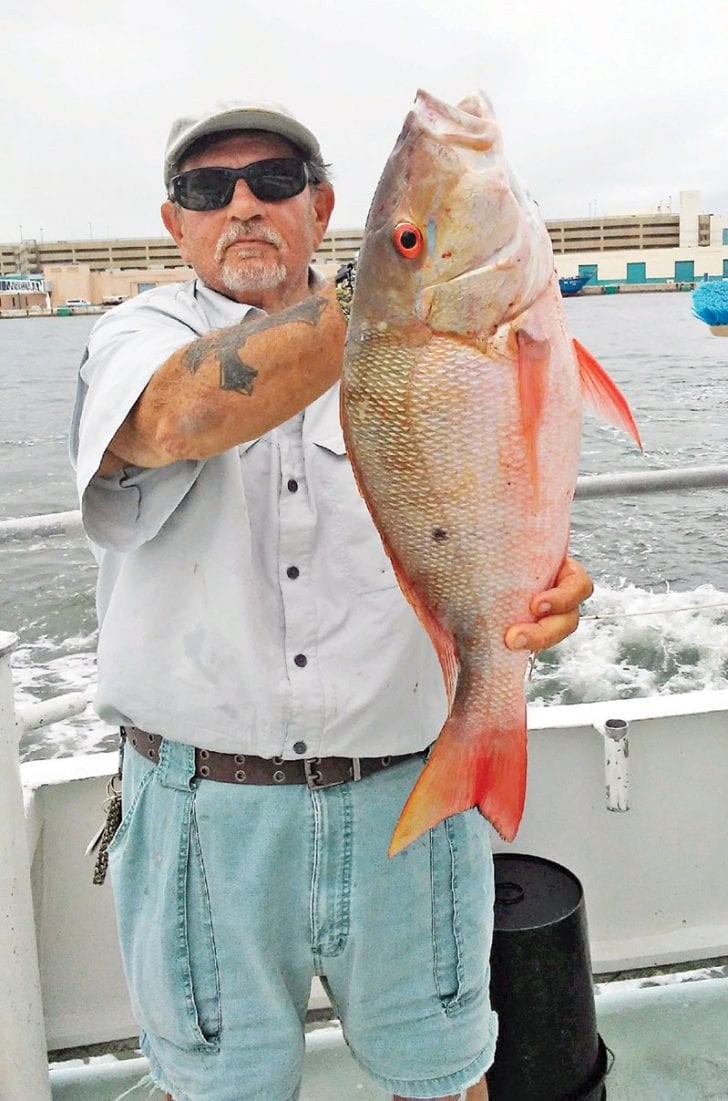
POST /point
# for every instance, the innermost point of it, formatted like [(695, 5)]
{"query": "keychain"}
[(105, 835), (112, 819)]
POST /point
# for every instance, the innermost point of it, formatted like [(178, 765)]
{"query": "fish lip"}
[(454, 125)]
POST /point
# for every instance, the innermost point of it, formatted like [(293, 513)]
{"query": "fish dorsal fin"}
[(599, 390), (534, 353)]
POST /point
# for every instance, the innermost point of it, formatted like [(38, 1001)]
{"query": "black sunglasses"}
[(212, 188)]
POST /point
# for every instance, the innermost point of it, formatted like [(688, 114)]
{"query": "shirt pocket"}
[(354, 546)]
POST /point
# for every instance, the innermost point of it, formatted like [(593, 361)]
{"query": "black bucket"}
[(541, 987)]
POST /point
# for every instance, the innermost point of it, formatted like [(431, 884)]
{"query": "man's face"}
[(252, 251)]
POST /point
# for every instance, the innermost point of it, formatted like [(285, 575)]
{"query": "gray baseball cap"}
[(236, 115)]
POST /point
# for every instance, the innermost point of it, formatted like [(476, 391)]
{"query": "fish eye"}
[(407, 239)]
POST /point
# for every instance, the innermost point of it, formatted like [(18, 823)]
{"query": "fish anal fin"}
[(534, 353), (603, 394), (487, 772)]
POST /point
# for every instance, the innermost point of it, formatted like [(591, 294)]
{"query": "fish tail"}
[(489, 774)]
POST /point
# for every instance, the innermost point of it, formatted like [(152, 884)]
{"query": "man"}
[(276, 690)]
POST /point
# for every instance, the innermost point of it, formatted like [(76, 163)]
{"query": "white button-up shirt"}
[(245, 602)]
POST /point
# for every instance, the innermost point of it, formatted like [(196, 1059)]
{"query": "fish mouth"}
[(473, 133), (470, 124)]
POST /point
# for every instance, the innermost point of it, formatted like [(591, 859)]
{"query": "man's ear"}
[(172, 221), (323, 205)]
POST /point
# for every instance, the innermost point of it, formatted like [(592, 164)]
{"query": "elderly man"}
[(276, 692)]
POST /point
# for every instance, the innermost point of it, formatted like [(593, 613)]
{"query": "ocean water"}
[(658, 620)]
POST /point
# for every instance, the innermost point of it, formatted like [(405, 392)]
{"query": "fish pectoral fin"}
[(603, 394), (487, 771), (534, 354)]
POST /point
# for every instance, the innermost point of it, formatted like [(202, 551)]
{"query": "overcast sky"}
[(605, 106)]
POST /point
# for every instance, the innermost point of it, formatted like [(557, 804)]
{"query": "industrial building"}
[(662, 249), (659, 249)]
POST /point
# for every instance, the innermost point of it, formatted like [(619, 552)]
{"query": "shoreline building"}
[(660, 249)]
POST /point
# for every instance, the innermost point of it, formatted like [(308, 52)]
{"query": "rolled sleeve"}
[(125, 349), (130, 507)]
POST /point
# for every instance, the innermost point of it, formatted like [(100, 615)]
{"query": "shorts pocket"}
[(461, 869), (164, 919)]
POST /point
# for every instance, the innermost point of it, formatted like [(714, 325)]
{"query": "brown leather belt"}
[(242, 768)]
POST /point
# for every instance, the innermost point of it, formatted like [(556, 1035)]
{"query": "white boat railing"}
[(24, 1065), (630, 482), (588, 486), (37, 527)]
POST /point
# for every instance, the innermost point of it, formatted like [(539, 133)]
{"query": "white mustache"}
[(242, 232)]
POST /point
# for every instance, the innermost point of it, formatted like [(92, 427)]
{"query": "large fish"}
[(461, 404)]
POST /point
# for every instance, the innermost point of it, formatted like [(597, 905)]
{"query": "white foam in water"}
[(677, 642), (37, 675)]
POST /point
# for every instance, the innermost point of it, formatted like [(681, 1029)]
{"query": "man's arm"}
[(233, 385)]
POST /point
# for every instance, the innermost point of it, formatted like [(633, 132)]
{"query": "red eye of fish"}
[(407, 239)]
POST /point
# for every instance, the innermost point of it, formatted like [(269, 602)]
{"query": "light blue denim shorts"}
[(230, 899)]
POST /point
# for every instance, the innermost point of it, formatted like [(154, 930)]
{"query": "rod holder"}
[(616, 763)]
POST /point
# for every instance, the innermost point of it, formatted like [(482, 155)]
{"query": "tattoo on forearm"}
[(226, 345)]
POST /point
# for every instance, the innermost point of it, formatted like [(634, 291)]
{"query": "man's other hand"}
[(556, 610)]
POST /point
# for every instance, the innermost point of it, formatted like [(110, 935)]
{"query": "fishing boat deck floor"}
[(669, 1036)]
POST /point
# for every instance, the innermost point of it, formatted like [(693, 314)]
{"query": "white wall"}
[(660, 262)]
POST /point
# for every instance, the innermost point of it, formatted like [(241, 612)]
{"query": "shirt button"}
[(292, 485), (299, 747), (301, 660), (293, 572)]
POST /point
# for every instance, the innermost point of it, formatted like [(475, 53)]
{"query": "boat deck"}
[(669, 1036)]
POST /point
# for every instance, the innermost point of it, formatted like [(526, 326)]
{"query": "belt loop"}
[(176, 765)]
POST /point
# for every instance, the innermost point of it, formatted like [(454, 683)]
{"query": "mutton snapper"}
[(461, 405)]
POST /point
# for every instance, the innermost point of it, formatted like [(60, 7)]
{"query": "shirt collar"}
[(220, 311)]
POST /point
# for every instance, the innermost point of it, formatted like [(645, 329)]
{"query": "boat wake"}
[(637, 642)]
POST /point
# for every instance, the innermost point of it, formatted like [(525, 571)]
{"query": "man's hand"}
[(557, 610)]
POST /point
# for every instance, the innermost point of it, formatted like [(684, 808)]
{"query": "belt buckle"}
[(314, 779)]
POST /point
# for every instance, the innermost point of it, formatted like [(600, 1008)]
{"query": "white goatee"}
[(246, 270)]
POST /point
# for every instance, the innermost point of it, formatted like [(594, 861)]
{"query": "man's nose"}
[(244, 204)]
